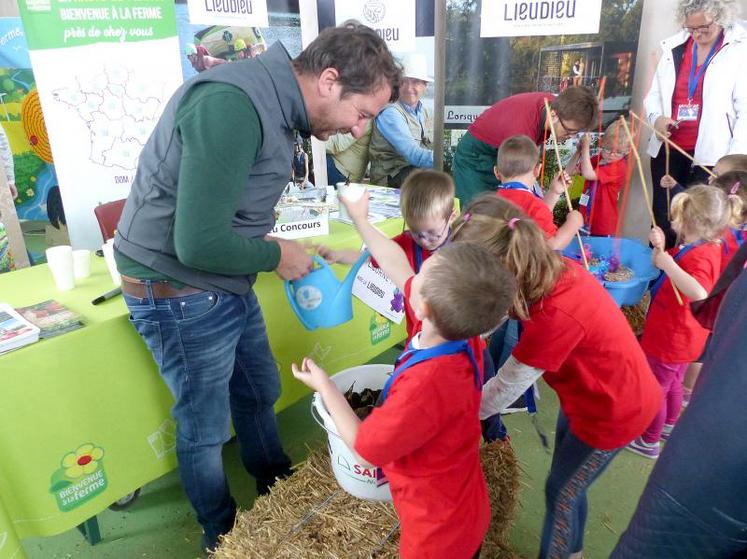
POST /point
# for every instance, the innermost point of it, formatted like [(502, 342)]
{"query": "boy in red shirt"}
[(605, 176), (427, 204), (517, 167), (425, 435)]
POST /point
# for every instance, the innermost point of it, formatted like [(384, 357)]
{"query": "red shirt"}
[(686, 134), (523, 113), (732, 240), (671, 333), (591, 359), (600, 213), (410, 247), (426, 438), (533, 207)]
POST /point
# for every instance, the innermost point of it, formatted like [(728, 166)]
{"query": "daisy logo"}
[(374, 11), (79, 478)]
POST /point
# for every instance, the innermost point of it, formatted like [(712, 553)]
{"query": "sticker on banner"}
[(79, 478), (523, 18), (393, 20), (380, 328)]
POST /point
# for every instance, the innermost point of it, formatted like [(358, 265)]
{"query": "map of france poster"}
[(104, 71)]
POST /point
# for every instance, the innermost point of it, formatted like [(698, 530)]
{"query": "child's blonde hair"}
[(734, 185), (704, 212), (426, 194), (615, 139), (518, 155), (515, 241), (467, 290)]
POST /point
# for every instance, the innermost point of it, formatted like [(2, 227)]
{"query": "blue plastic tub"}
[(632, 253)]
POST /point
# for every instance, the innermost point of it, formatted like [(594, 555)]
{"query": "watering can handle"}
[(294, 305)]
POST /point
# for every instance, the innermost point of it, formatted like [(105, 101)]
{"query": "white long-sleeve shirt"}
[(511, 381), (723, 123)]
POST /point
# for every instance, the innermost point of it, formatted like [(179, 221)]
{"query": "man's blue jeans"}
[(213, 353)]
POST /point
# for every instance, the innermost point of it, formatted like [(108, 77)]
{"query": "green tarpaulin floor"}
[(160, 524)]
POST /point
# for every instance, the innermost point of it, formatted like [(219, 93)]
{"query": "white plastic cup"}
[(108, 250), (352, 192), (81, 263), (60, 262)]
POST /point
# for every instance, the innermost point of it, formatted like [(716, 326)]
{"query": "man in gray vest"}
[(193, 236), (402, 138)]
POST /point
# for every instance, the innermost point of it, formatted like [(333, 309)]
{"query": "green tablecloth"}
[(84, 417)]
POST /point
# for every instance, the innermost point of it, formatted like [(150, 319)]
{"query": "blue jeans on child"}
[(575, 466), (213, 353)]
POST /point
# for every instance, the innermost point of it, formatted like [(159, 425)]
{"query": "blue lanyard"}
[(738, 235), (662, 276), (412, 356), (693, 79), (519, 186)]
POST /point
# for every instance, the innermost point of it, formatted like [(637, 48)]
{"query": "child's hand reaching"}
[(560, 182), (311, 374), (661, 258), (575, 218), (349, 257), (357, 209), (668, 181), (657, 238)]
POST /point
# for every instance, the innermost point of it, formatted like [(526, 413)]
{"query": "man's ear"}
[(327, 82)]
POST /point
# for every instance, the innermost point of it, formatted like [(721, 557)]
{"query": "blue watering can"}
[(319, 299)]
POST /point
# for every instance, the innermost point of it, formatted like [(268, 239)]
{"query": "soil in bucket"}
[(362, 402)]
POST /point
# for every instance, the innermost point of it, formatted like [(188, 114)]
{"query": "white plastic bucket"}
[(358, 480)]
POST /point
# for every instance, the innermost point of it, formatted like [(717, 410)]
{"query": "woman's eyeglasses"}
[(698, 28)]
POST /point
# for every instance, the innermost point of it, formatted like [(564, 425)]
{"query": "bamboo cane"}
[(562, 178), (669, 142), (645, 190)]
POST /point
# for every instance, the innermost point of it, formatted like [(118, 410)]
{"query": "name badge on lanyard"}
[(691, 111), (584, 199)]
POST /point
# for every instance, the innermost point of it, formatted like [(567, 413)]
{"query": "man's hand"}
[(295, 262), (668, 182), (358, 209), (662, 124), (13, 190), (310, 374)]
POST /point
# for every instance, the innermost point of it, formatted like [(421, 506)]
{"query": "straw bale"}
[(636, 314), (308, 516)]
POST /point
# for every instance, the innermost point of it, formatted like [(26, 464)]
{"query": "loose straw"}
[(645, 189), (562, 178), (666, 140)]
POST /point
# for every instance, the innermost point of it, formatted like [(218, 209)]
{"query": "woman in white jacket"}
[(698, 97)]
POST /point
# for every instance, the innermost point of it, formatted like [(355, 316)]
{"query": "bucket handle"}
[(319, 420)]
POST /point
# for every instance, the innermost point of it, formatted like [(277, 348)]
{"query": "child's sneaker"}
[(641, 447), (666, 431)]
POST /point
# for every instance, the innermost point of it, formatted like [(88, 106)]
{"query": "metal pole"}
[(439, 93)]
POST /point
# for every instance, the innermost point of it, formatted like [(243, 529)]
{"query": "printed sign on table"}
[(247, 13), (393, 20), (378, 292), (104, 72), (523, 18)]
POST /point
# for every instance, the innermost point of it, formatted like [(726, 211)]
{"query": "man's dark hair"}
[(577, 104), (361, 58)]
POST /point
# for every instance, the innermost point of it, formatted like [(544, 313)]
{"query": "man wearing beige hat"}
[(402, 138)]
